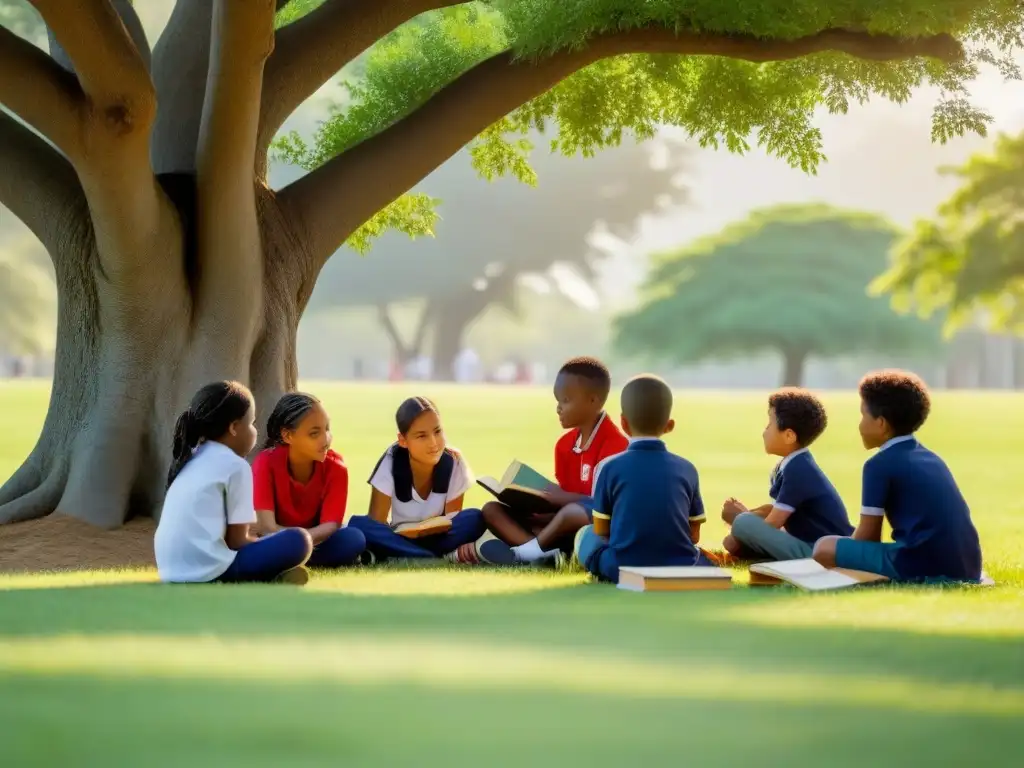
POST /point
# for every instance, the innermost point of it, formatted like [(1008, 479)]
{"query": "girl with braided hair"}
[(203, 534), (300, 483)]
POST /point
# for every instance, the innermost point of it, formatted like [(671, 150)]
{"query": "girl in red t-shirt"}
[(299, 482)]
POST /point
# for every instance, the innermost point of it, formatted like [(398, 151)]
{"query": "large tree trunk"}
[(793, 363), (127, 364)]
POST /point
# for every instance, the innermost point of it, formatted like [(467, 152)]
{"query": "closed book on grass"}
[(808, 574), (521, 489), (432, 526), (673, 578)]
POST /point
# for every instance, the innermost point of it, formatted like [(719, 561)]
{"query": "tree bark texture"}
[(794, 361), (176, 264)]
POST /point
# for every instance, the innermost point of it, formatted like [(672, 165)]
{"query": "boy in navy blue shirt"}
[(647, 505), (933, 536), (805, 505)]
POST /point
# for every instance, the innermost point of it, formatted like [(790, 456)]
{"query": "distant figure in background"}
[(467, 366), (419, 368)]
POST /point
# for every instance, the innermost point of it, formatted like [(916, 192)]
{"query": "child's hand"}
[(560, 498), (732, 509)]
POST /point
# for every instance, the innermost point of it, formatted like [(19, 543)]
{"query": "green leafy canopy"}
[(718, 101), (969, 260), (789, 278)]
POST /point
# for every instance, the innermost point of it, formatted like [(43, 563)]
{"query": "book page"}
[(827, 580), (527, 477), (790, 568), (678, 572), (490, 484)]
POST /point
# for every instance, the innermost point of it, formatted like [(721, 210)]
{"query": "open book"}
[(429, 527), (673, 578), (809, 574), (521, 489)]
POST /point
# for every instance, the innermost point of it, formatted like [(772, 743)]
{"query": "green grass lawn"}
[(441, 666)]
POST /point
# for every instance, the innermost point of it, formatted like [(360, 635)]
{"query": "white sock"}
[(529, 552)]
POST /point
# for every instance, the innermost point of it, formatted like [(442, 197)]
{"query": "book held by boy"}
[(808, 574), (429, 527), (521, 489), (673, 578)]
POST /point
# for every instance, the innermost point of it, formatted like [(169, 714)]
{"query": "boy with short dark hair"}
[(805, 505), (581, 390), (647, 503), (934, 538)]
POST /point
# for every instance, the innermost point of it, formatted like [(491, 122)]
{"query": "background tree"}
[(968, 262), (488, 237), (176, 264), (790, 279), (27, 302)]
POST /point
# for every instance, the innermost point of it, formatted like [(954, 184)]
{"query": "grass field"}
[(442, 666)]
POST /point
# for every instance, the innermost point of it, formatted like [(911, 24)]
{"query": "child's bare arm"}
[(695, 531), (266, 522), (322, 532), (380, 506), (869, 528), (238, 536)]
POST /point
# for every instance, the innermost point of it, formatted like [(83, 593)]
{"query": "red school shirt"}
[(296, 505), (575, 463)]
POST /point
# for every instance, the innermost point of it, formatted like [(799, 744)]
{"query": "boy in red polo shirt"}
[(581, 390)]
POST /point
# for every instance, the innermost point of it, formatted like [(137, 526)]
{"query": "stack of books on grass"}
[(672, 578)]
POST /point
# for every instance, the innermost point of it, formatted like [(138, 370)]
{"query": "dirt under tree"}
[(176, 264)]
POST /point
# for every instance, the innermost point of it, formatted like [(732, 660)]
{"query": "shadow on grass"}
[(687, 684), (548, 613), (84, 722)]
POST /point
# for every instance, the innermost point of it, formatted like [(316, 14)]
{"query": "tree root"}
[(36, 503), (22, 482)]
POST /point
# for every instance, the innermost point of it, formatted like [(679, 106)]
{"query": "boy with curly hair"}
[(934, 538)]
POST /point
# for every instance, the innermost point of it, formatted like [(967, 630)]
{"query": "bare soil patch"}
[(62, 543)]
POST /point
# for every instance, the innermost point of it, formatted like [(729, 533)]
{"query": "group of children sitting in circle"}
[(622, 498)]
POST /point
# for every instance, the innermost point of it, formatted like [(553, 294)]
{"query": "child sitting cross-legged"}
[(933, 536), (419, 478), (301, 483), (647, 503), (581, 390), (805, 505)]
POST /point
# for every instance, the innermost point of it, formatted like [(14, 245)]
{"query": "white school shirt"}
[(211, 492), (417, 509)]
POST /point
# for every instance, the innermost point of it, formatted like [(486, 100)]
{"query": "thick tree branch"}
[(228, 235), (332, 201), (311, 50), (34, 87), (117, 108), (120, 96), (36, 183), (181, 61)]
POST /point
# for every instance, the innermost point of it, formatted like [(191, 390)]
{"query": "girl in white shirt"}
[(418, 478), (203, 534)]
